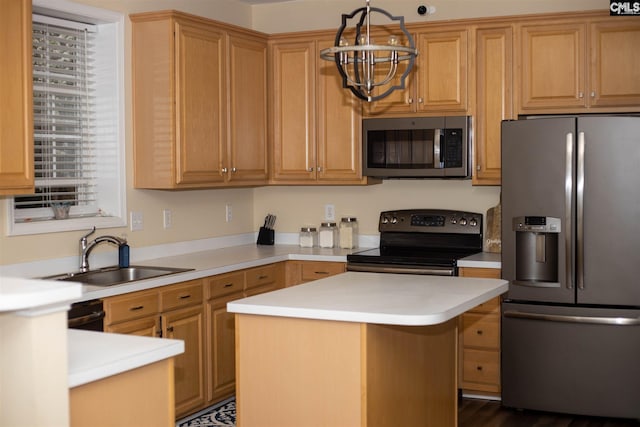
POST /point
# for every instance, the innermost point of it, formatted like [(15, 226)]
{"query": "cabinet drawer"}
[(181, 295), (318, 270), (491, 306), (225, 284), (261, 276), (130, 306), (481, 367), (481, 330)]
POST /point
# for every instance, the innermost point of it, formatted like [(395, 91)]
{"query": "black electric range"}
[(421, 241)]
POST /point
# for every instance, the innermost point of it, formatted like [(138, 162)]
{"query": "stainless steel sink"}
[(109, 276)]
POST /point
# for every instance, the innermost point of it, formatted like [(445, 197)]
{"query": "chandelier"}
[(365, 65)]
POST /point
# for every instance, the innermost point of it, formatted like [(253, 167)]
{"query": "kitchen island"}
[(356, 349)]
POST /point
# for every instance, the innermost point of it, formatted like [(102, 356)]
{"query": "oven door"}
[(402, 269)]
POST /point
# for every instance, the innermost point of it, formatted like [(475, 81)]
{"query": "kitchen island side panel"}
[(303, 372)]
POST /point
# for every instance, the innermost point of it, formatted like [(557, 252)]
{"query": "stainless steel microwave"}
[(417, 147)]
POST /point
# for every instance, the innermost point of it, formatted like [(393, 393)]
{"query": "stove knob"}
[(463, 221), (394, 220), (473, 222), (385, 220), (454, 221)]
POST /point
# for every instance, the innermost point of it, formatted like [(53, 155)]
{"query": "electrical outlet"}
[(329, 212), (136, 221), (167, 218), (228, 212)]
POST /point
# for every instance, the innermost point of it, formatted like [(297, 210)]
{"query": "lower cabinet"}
[(196, 312), (174, 311), (479, 336)]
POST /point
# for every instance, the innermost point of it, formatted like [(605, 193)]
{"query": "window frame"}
[(116, 183)]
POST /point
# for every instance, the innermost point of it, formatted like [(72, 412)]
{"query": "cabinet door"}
[(442, 71), (552, 66), (200, 103), (247, 84), (16, 93), (187, 324), (222, 343), (400, 101), (146, 327), (615, 64), (339, 126), (293, 102), (494, 100)]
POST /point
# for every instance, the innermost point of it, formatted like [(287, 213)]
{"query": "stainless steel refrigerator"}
[(571, 252)]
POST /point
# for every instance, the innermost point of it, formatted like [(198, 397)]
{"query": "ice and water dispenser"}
[(536, 250)]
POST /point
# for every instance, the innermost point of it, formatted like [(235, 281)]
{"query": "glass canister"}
[(349, 233), (308, 236), (328, 235)]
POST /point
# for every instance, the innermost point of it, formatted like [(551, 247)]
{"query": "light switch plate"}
[(330, 212), (136, 221)]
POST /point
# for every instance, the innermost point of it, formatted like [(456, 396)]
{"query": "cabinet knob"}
[(170, 329), (310, 170), (580, 95), (409, 100), (224, 170), (478, 368), (420, 101), (319, 168), (233, 170), (479, 332), (593, 94)]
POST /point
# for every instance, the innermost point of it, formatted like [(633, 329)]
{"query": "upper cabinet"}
[(316, 123), (438, 82), (493, 79), (193, 126), (16, 93), (579, 65)]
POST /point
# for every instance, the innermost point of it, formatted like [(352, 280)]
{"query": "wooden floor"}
[(485, 413)]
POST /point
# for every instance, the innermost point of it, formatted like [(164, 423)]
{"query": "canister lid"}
[(308, 229), (349, 219), (327, 224)]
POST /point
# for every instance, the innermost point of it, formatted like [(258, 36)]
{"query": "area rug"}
[(222, 414)]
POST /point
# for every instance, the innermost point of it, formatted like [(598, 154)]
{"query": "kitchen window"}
[(78, 121)]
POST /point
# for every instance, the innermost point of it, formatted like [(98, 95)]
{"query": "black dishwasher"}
[(87, 315)]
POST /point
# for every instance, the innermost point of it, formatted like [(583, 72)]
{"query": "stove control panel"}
[(431, 221)]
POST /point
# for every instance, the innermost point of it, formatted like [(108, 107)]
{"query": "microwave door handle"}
[(437, 137)]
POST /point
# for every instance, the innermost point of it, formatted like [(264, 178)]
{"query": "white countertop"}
[(96, 355), (24, 295), (394, 299), (217, 261), (482, 260)]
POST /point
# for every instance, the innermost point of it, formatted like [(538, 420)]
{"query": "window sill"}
[(61, 225)]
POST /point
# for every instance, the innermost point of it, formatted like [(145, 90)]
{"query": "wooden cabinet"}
[(579, 65), (188, 131), (316, 134), (220, 324), (493, 78), (298, 272), (16, 93), (438, 82), (479, 335), (174, 311), (221, 339)]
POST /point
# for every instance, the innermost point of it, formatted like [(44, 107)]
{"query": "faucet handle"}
[(84, 238)]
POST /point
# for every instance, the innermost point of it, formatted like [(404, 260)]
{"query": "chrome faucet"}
[(86, 248)]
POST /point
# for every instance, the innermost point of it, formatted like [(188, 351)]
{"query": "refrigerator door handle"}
[(580, 212), (568, 193), (618, 321)]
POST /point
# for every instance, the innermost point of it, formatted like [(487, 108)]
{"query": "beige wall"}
[(200, 214)]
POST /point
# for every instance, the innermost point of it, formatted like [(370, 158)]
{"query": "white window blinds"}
[(64, 108)]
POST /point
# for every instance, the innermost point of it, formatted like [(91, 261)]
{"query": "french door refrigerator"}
[(571, 252)]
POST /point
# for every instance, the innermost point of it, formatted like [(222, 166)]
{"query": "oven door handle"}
[(374, 268), (83, 320)]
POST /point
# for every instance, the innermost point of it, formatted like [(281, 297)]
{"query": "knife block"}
[(266, 236)]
